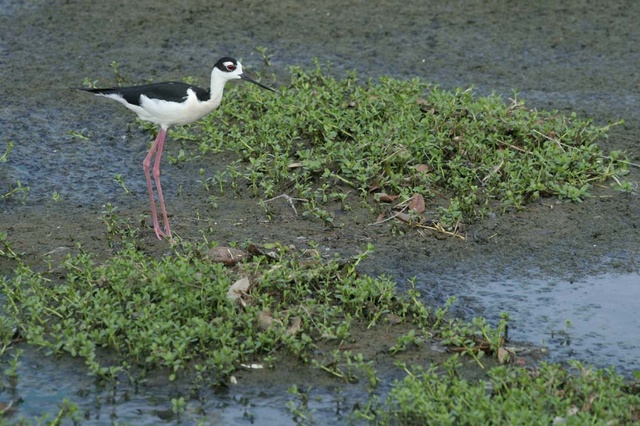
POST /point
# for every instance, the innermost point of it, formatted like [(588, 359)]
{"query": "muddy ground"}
[(580, 56)]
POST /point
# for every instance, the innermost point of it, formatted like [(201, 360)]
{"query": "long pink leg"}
[(156, 149), (156, 177)]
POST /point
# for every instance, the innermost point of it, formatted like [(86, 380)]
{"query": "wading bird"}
[(173, 104)]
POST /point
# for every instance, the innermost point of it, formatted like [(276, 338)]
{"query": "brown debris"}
[(386, 198), (417, 203), (265, 320), (295, 327), (239, 289), (228, 256)]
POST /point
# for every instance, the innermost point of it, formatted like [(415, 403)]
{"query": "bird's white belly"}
[(172, 113)]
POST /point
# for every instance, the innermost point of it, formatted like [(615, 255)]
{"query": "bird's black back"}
[(171, 91)]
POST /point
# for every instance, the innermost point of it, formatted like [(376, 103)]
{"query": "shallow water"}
[(592, 318), (43, 382)]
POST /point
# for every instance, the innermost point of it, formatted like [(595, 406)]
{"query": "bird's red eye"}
[(231, 67)]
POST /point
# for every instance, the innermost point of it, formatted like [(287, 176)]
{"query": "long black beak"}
[(245, 77)]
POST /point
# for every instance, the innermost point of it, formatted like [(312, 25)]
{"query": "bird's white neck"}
[(217, 87)]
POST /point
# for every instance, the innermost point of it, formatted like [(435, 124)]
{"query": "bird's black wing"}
[(171, 91)]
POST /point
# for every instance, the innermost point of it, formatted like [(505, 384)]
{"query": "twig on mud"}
[(289, 199), (437, 227), (390, 217)]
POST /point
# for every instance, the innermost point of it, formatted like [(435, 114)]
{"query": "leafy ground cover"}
[(184, 315), (324, 140), (181, 311)]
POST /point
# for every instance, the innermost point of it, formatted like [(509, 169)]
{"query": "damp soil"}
[(579, 56)]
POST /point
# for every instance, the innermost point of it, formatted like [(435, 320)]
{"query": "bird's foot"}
[(163, 235)]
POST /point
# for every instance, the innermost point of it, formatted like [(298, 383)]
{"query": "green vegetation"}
[(132, 315), (323, 139), (544, 396), (176, 312), (185, 316), (15, 190)]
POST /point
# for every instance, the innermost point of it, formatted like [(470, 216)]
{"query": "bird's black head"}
[(227, 64), (231, 69)]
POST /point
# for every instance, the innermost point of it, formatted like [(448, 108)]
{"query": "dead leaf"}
[(295, 327), (265, 320), (417, 203), (261, 251), (295, 165), (504, 356), (17, 336), (393, 319), (386, 198), (239, 288), (403, 217), (423, 168), (380, 218), (586, 407), (228, 256), (311, 253)]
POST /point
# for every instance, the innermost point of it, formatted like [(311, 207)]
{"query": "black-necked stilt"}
[(173, 104)]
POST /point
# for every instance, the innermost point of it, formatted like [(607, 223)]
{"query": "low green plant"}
[(120, 178), (178, 405), (477, 153), (7, 151), (7, 331), (167, 313), (174, 312), (548, 395), (5, 247), (265, 57), (120, 79), (11, 371), (405, 341), (118, 229), (300, 411), (16, 189)]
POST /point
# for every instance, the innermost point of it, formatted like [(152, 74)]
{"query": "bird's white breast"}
[(173, 113), (166, 113)]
